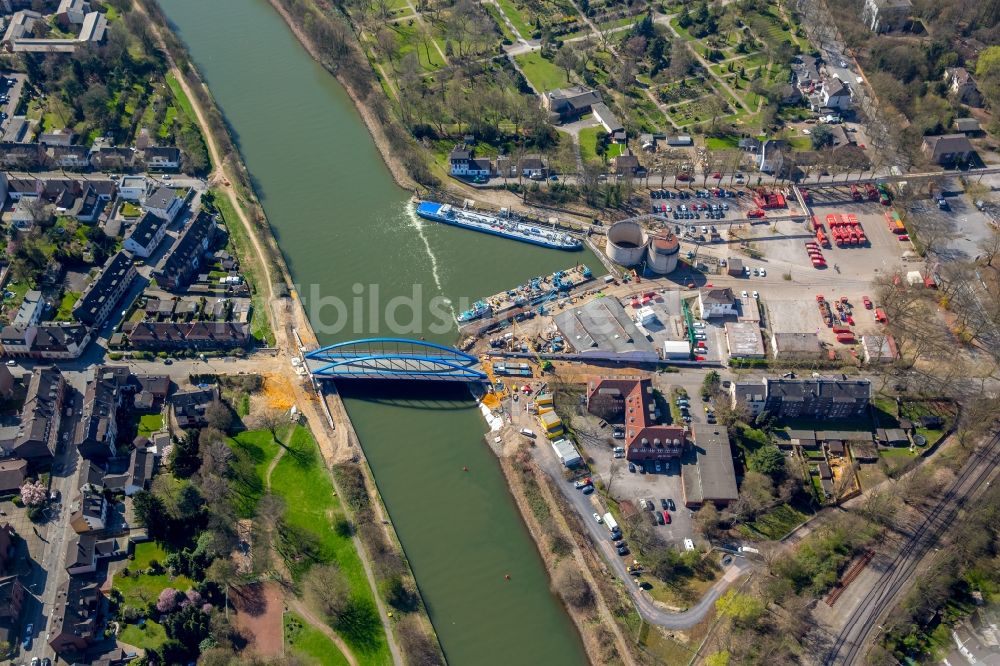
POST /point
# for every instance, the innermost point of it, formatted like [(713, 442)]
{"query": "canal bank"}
[(347, 232)]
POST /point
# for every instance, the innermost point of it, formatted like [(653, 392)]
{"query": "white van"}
[(528, 433)]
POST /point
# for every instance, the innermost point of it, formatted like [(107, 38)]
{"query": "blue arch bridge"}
[(393, 359)]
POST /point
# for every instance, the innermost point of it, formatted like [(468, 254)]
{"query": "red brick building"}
[(629, 400)]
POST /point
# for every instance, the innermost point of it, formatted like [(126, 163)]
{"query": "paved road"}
[(851, 644)]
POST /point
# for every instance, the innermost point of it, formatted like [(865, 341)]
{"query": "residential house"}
[(948, 149), (820, 397), (680, 140), (968, 126), (8, 550), (94, 28), (963, 86), (145, 235), (84, 551), (137, 476), (609, 121), (162, 157), (110, 158), (90, 513), (532, 167), (708, 474), (20, 27), (628, 164), (805, 70), (12, 596), (104, 293), (13, 472), (59, 341), (187, 253), (17, 340), (886, 15), (164, 203), (132, 188), (69, 157), (72, 12), (570, 103), (76, 616), (464, 164), (150, 390), (717, 303), (57, 137), (189, 407), (97, 429), (88, 207), (21, 156), (31, 310), (836, 95), (630, 400), (38, 429)]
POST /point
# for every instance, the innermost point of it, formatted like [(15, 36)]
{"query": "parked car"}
[(631, 468), (670, 504), (663, 503), (598, 518), (666, 517), (658, 517), (623, 550), (28, 631)]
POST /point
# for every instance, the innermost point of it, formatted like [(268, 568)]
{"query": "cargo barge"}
[(505, 225)]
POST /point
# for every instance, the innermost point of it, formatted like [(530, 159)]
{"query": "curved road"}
[(850, 645), (647, 608)]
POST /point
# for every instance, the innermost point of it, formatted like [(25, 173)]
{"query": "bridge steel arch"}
[(393, 358)]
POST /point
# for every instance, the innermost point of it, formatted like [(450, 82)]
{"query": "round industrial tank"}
[(626, 243), (664, 249)]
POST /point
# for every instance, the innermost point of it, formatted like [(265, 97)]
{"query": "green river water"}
[(346, 232)]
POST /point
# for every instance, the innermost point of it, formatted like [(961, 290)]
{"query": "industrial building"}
[(630, 399), (707, 469), (602, 329), (744, 340), (567, 453), (819, 397), (676, 350), (796, 346)]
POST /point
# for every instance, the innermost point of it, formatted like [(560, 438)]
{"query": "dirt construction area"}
[(259, 610)]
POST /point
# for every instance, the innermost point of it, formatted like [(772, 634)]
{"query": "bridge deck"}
[(393, 359)]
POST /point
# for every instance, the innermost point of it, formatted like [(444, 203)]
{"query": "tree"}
[(184, 459), (707, 519), (33, 494), (574, 588), (219, 416), (988, 74), (270, 419), (718, 658), (821, 137), (743, 609), (768, 460), (222, 571), (167, 601), (326, 589), (567, 59)]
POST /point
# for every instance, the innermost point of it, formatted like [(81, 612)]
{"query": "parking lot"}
[(11, 86)]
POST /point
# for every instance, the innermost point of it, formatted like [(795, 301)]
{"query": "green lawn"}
[(541, 73), (260, 327), (311, 512), (145, 553), (150, 423), (139, 590), (182, 100), (260, 448), (410, 40), (730, 142), (776, 523), (516, 18), (149, 636), (310, 645), (130, 210), (588, 143), (65, 311), (497, 17)]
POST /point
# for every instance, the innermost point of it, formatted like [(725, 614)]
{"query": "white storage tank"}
[(664, 251), (626, 244)]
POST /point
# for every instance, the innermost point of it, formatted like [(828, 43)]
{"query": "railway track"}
[(852, 639)]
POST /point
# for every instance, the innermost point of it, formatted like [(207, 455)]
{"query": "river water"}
[(350, 239)]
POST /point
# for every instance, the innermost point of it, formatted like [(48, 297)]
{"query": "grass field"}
[(260, 326), (139, 590), (776, 523), (516, 18), (149, 636), (497, 17), (150, 423), (65, 311), (182, 100), (542, 74), (588, 143), (310, 645), (411, 39), (311, 513)]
